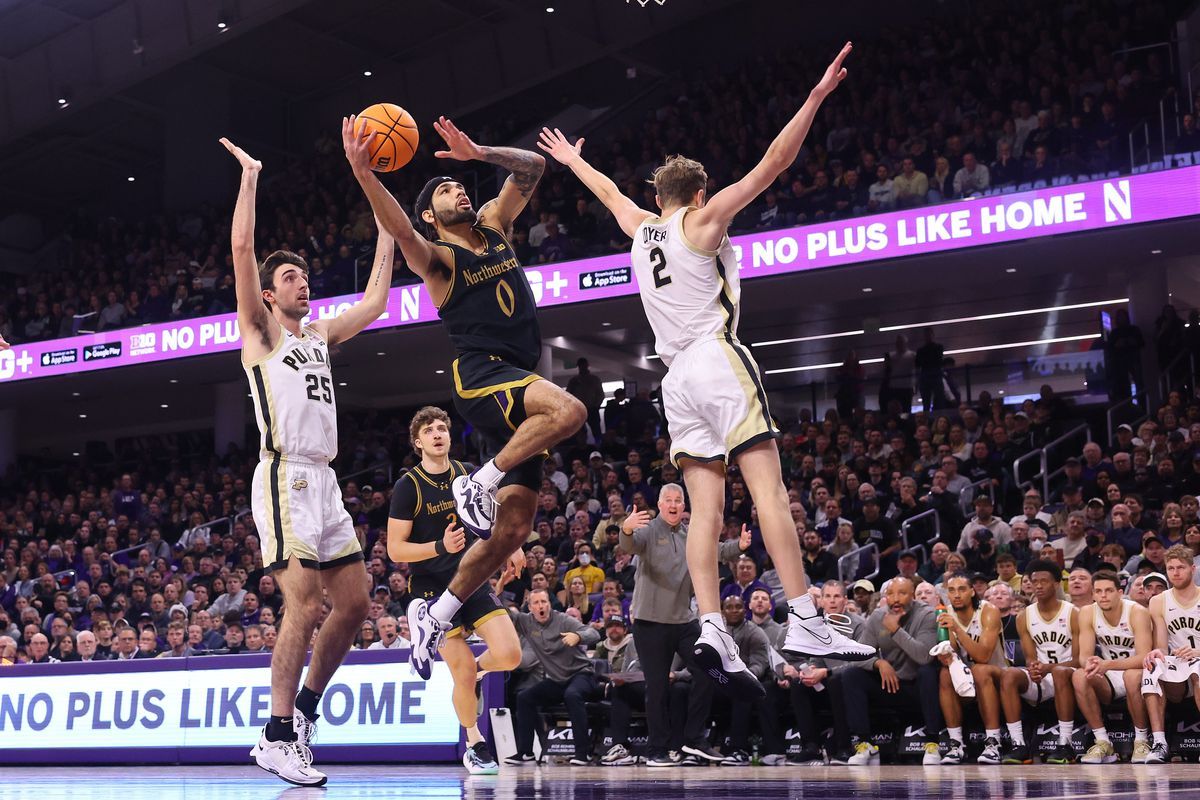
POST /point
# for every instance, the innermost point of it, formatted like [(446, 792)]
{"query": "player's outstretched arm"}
[(711, 221), (418, 252), (375, 297), (629, 215), (254, 320), (526, 167)]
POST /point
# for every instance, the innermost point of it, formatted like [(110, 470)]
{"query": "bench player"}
[(715, 402), (1049, 631), (1123, 633), (308, 539), (423, 530), (975, 629), (487, 307), (1169, 674)]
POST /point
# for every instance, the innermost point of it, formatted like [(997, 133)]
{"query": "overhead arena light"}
[(1003, 315), (837, 335), (831, 365)]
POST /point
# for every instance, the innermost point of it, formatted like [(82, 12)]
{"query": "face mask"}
[(584, 559)]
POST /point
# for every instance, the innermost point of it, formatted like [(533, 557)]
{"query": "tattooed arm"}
[(526, 168), (375, 297)]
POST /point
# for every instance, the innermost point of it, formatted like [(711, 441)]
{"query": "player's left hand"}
[(559, 148), (1093, 667), (745, 539), (571, 639), (461, 146), (3, 344), (835, 73)]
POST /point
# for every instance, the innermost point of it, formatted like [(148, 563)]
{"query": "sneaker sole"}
[(660, 765), (987, 761), (422, 666), (1013, 761), (484, 533), (321, 782), (813, 653), (731, 683), (698, 753), (1104, 760)]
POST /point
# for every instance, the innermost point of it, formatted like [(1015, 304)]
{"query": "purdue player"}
[(423, 530), (715, 403), (487, 306), (1122, 631), (974, 628), (1169, 669), (308, 539), (1049, 631)]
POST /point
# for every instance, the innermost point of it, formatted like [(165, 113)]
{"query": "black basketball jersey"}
[(427, 500), (489, 307)]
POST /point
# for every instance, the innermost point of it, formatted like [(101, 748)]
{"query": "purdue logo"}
[(299, 484)]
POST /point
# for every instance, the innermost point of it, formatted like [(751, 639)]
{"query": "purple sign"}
[(978, 222)]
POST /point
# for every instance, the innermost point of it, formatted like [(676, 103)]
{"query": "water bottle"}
[(943, 633)]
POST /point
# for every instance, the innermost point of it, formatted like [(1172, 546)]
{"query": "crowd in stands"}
[(1002, 96), (151, 552)]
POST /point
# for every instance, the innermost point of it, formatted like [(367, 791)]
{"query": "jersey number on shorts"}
[(658, 260), (319, 388)]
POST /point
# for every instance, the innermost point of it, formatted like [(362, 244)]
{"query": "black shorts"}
[(476, 609), (489, 393)]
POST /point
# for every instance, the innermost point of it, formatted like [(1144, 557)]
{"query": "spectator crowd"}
[(1005, 96)]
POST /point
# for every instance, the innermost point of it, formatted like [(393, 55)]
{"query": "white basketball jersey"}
[(1114, 641), (974, 629), (294, 399), (689, 294), (1183, 622), (1052, 639)]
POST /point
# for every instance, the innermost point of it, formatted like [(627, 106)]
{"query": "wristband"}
[(440, 547)]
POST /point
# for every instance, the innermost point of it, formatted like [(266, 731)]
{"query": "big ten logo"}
[(555, 284), (13, 361), (142, 343)]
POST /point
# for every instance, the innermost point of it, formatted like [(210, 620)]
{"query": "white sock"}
[(1016, 733), (954, 733), (1141, 734), (1101, 735), (802, 606), (489, 474), (1160, 737), (992, 733), (445, 607), (715, 619), (1065, 729)]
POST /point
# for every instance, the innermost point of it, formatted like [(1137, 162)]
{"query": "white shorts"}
[(298, 511), (1177, 670), (1116, 679), (1038, 693), (715, 402)]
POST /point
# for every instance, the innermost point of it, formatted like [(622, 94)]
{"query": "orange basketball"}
[(396, 137)]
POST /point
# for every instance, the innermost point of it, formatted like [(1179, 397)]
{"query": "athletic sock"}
[(955, 734), (306, 703), (1101, 735), (1141, 734), (992, 733), (1160, 737), (473, 735), (489, 474), (802, 606), (1017, 734), (714, 618), (279, 729), (1065, 729), (445, 607)]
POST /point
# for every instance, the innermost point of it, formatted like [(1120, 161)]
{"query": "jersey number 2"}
[(658, 262), (319, 388)]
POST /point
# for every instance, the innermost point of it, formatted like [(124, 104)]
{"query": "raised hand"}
[(746, 538), (356, 141), (835, 73), (636, 520), (248, 164), (462, 148), (561, 150)]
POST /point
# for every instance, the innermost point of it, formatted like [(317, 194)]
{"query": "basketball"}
[(396, 136)]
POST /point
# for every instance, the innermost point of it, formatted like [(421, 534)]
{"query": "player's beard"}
[(456, 216), (296, 311)]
